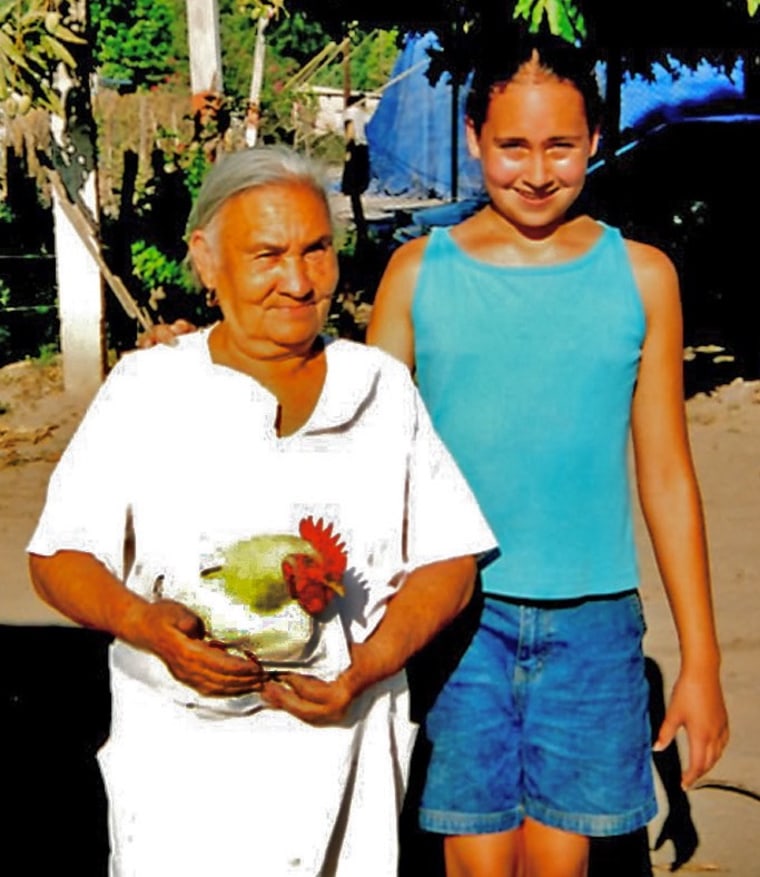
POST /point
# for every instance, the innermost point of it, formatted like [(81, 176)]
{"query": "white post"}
[(204, 46), (81, 304), (253, 116)]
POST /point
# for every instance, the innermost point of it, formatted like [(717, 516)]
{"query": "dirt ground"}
[(38, 418)]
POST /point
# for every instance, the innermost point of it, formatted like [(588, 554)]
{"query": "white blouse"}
[(182, 454)]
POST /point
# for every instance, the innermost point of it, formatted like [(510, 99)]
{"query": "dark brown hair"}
[(501, 59)]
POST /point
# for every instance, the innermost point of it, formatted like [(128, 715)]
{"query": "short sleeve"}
[(86, 506)]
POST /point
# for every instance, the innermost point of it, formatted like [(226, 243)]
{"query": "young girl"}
[(540, 343)]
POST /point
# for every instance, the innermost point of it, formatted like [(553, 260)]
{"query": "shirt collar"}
[(350, 383)]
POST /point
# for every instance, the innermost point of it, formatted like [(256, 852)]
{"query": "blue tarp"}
[(410, 135), (673, 95)]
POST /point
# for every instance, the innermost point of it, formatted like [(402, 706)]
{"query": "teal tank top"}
[(528, 374)]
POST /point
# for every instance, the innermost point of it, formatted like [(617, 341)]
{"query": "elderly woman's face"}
[(273, 265)]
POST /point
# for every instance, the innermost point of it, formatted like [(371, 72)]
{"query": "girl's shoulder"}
[(648, 260), (407, 258), (655, 275)]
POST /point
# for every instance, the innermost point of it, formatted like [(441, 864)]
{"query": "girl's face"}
[(534, 148)]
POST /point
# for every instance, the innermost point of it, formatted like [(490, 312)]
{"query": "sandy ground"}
[(38, 419)]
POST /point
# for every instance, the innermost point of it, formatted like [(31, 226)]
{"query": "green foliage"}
[(180, 51), (237, 37), (6, 213), (33, 40), (372, 63), (133, 41), (168, 288), (298, 37), (5, 294), (156, 270), (290, 42), (753, 6), (371, 59), (194, 161), (46, 354), (257, 8), (563, 18)]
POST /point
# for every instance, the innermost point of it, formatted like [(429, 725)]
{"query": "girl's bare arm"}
[(672, 509)]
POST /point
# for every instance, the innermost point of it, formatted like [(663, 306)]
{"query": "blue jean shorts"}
[(545, 716)]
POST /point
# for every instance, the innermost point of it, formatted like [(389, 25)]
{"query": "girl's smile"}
[(534, 147)]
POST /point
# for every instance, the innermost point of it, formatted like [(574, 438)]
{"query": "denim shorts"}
[(545, 716)]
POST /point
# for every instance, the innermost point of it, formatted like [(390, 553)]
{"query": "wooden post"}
[(346, 72), (455, 83), (253, 113)]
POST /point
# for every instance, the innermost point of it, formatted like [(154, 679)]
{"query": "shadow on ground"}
[(54, 712)]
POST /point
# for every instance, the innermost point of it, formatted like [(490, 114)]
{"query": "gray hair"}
[(235, 172)]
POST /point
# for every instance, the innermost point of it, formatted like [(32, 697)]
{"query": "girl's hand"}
[(165, 333), (697, 705)]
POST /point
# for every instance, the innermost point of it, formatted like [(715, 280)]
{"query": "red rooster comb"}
[(314, 581), (328, 544)]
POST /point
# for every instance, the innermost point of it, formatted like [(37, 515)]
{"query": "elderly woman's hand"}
[(175, 635), (310, 699)]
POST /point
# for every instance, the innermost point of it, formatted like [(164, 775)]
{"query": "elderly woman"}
[(216, 763)]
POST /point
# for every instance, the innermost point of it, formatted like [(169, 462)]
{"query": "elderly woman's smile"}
[(268, 254)]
